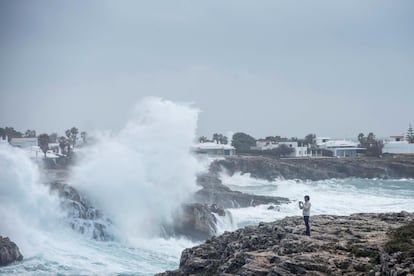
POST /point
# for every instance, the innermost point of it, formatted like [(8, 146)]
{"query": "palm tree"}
[(216, 138), (43, 141), (361, 138), (371, 138), (62, 144), (84, 134), (202, 139), (74, 132)]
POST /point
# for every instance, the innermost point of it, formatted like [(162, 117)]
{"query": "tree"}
[(53, 137), (361, 138), (10, 133), (202, 139), (373, 146), (62, 144), (43, 141), (30, 133), (370, 138), (84, 136), (283, 150), (243, 142), (309, 139), (410, 134), (74, 132), (219, 138), (216, 138)]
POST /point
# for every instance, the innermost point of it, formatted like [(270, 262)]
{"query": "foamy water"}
[(333, 196)]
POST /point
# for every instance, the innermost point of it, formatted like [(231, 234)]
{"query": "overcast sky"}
[(334, 68)]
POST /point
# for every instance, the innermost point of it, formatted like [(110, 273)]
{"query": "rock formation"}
[(9, 252), (214, 192), (195, 221), (82, 216), (352, 245), (317, 168)]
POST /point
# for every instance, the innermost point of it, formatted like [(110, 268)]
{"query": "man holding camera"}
[(306, 212)]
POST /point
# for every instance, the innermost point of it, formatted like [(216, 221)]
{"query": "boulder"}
[(9, 252)]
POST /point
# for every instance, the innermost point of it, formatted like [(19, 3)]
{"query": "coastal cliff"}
[(360, 244), (317, 168)]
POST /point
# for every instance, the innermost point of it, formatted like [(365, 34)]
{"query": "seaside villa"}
[(339, 148), (299, 151), (210, 148), (398, 145)]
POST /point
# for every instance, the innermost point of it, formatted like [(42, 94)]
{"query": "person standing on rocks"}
[(306, 212)]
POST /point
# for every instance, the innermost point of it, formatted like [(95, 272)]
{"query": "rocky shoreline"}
[(268, 168), (353, 245), (251, 250)]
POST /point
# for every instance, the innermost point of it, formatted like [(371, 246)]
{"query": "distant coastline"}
[(386, 167)]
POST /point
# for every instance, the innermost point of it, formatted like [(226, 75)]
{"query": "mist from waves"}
[(136, 177), (27, 210), (139, 176), (332, 196)]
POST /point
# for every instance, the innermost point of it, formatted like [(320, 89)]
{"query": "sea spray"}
[(141, 175), (27, 209)]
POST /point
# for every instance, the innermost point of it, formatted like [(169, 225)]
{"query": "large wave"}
[(140, 175), (27, 209)]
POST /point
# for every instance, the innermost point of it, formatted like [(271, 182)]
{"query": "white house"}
[(211, 148), (339, 148), (398, 145), (263, 144), (24, 142)]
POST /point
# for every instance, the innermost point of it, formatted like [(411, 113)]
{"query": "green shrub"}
[(401, 240)]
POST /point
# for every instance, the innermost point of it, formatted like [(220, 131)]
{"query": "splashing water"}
[(139, 176), (333, 196)]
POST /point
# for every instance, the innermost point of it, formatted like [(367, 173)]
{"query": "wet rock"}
[(195, 221), (9, 252), (214, 192), (82, 217), (339, 245)]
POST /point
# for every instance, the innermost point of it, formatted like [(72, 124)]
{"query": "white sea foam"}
[(333, 196)]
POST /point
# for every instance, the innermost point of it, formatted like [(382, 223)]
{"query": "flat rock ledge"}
[(9, 252), (338, 245)]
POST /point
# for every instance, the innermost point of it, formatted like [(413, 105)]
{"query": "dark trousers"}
[(306, 219)]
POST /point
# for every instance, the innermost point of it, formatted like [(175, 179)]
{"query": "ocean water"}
[(137, 177), (332, 196)]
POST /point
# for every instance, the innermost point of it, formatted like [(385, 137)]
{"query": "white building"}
[(263, 144), (24, 142), (211, 148), (339, 148), (398, 145)]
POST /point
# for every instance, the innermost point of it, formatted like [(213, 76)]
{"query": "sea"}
[(137, 177)]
